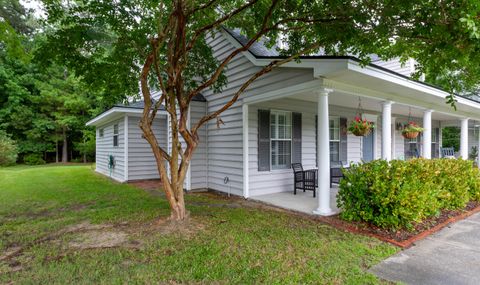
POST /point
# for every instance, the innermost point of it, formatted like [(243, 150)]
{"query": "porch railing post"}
[(427, 134), (323, 154)]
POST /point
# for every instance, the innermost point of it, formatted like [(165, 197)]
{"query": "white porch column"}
[(323, 155), (427, 134), (464, 139), (387, 130), (246, 186), (394, 150)]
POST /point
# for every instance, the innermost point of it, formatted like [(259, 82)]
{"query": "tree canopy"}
[(112, 38), (42, 105)]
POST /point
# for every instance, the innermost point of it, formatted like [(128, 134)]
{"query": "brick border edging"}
[(348, 227), (410, 241)]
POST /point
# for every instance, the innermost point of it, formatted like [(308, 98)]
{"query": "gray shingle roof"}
[(140, 104), (258, 49)]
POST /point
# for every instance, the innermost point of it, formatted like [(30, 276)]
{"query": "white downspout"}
[(246, 186), (478, 147), (125, 148), (188, 185)]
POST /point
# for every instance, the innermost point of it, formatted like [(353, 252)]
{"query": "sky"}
[(35, 5)]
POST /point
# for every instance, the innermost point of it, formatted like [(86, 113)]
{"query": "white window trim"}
[(336, 118), (434, 136), (291, 144)]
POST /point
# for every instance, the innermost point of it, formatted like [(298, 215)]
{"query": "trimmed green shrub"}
[(398, 193), (8, 150), (33, 159)]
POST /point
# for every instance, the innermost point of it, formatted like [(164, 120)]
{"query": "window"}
[(334, 125), (412, 147), (115, 135), (100, 133), (435, 149), (281, 139), (434, 135)]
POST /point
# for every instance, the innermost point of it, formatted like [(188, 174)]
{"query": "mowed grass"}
[(235, 243)]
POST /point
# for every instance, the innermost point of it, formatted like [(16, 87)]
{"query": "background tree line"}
[(43, 105)]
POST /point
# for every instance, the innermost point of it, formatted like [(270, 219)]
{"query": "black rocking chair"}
[(336, 172), (304, 179)]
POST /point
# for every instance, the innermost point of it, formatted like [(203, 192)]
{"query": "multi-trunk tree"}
[(164, 45)]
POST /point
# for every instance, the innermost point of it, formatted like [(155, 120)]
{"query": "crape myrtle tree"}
[(164, 46)]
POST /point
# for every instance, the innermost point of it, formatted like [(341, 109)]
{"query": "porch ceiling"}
[(378, 83), (374, 105)]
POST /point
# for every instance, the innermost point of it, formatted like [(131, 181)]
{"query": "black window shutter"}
[(343, 140), (297, 137), (263, 140)]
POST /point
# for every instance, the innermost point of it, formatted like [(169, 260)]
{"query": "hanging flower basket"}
[(361, 127), (410, 135), (411, 130)]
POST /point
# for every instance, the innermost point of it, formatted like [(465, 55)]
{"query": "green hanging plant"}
[(411, 130), (361, 127)]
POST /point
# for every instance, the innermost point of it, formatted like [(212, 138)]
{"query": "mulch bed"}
[(152, 184), (406, 238)]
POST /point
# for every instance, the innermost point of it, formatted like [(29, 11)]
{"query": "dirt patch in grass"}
[(153, 186), (98, 239), (87, 236), (46, 212), (166, 226)]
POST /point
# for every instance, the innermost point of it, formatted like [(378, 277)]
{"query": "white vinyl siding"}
[(264, 182), (198, 165), (141, 161), (399, 145), (225, 141), (196, 177), (105, 148), (395, 65), (115, 135)]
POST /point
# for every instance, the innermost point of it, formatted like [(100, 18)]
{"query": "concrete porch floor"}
[(302, 202)]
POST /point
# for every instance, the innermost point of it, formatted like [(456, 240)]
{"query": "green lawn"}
[(228, 241)]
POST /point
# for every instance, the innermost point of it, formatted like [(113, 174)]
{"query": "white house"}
[(296, 113)]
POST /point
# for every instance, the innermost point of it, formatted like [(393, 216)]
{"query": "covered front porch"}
[(303, 202), (324, 108)]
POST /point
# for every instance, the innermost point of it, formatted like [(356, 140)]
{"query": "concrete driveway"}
[(451, 256)]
